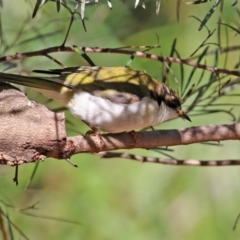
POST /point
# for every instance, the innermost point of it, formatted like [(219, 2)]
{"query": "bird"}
[(108, 99)]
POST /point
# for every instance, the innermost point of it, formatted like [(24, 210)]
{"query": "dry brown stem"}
[(188, 62), (170, 161), (153, 139)]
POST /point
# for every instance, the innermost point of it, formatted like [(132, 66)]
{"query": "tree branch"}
[(29, 131), (169, 161), (153, 139), (188, 62)]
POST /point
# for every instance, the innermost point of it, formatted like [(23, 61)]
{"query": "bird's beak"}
[(183, 115)]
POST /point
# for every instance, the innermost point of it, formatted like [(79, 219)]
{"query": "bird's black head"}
[(171, 99)]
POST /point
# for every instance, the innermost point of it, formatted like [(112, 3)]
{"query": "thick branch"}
[(28, 131), (154, 139)]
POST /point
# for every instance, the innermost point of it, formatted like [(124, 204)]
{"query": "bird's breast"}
[(112, 117)]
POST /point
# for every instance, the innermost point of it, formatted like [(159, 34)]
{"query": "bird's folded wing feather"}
[(118, 84)]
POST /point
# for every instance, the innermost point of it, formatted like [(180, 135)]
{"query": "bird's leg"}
[(99, 141), (95, 132)]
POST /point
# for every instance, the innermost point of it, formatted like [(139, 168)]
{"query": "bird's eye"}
[(173, 102)]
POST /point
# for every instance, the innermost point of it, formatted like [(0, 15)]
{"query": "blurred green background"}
[(115, 198)]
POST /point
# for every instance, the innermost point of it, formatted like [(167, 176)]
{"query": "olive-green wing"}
[(118, 84)]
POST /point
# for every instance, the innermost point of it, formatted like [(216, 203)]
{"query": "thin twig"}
[(168, 161), (187, 62)]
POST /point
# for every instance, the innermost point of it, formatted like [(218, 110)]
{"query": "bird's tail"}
[(51, 83)]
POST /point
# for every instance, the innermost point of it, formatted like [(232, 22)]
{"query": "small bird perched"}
[(111, 99)]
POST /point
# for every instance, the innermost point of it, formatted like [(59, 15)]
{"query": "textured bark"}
[(153, 139), (28, 131)]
